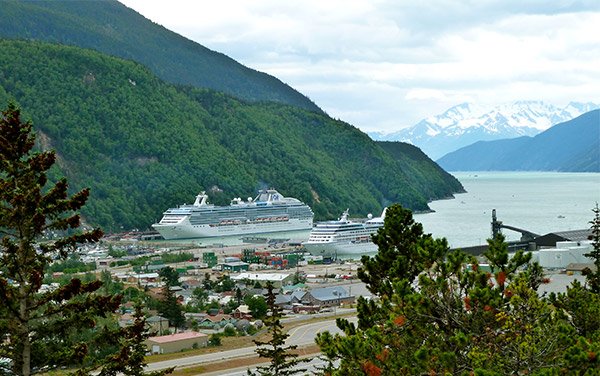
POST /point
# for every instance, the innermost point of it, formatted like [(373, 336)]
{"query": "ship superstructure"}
[(268, 212), (343, 237)]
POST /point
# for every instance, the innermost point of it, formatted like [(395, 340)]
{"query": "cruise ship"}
[(331, 239), (268, 212)]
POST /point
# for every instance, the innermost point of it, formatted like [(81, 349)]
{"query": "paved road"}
[(198, 359), (305, 334), (301, 336), (310, 368)]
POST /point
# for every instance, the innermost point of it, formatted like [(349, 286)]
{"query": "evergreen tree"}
[(437, 312), (30, 209), (200, 298), (130, 361), (282, 361), (238, 295), (169, 276), (257, 305), (169, 306), (403, 251), (593, 277), (41, 330)]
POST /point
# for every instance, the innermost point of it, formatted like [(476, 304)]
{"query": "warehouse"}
[(176, 342)]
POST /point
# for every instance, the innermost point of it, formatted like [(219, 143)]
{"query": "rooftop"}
[(176, 337), (330, 293), (278, 277)]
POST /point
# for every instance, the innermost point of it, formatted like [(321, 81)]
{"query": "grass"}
[(243, 362), (227, 343)]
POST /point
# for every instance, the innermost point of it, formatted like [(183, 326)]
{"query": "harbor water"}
[(540, 202)]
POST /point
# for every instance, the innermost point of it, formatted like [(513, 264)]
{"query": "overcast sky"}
[(384, 65)]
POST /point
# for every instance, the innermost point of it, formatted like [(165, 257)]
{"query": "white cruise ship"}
[(343, 237), (268, 212)]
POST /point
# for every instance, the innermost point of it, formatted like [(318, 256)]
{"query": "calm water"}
[(534, 201)]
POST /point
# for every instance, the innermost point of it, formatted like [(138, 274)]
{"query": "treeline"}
[(143, 145)]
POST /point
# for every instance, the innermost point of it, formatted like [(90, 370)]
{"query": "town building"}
[(176, 342), (277, 279), (242, 312), (235, 266), (328, 297), (565, 253)]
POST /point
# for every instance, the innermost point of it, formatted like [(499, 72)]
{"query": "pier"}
[(529, 241)]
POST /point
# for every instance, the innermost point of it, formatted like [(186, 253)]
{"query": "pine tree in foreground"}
[(39, 328), (593, 276), (437, 311), (282, 361), (130, 360)]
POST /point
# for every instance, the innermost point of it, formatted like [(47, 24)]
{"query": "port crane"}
[(497, 227)]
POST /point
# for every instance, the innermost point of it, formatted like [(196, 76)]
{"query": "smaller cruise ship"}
[(343, 237)]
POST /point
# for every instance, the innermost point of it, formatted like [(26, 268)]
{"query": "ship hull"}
[(189, 231), (336, 249)]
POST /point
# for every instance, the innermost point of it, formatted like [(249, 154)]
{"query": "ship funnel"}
[(201, 199)]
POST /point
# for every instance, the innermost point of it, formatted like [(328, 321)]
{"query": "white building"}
[(277, 279), (565, 253)]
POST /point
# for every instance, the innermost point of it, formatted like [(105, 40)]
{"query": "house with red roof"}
[(176, 342)]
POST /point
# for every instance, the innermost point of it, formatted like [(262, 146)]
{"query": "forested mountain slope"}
[(110, 27), (421, 171), (144, 145), (570, 146)]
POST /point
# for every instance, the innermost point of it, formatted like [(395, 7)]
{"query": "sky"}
[(384, 65)]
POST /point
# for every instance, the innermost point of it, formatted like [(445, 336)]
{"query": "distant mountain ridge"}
[(467, 123), (572, 146), (110, 27)]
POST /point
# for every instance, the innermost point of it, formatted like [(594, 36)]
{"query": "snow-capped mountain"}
[(467, 123)]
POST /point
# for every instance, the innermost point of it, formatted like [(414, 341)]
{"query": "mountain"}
[(570, 146), (466, 123), (143, 145), (430, 176), (110, 27)]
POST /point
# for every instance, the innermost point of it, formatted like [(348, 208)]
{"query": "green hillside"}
[(144, 145), (421, 171), (112, 28)]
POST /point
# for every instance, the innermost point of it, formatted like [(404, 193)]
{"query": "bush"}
[(251, 330), (229, 330), (214, 340)]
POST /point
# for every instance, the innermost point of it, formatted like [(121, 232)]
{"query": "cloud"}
[(384, 64), (424, 94)]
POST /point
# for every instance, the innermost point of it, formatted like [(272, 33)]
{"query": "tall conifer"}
[(282, 361), (35, 323), (593, 276)]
